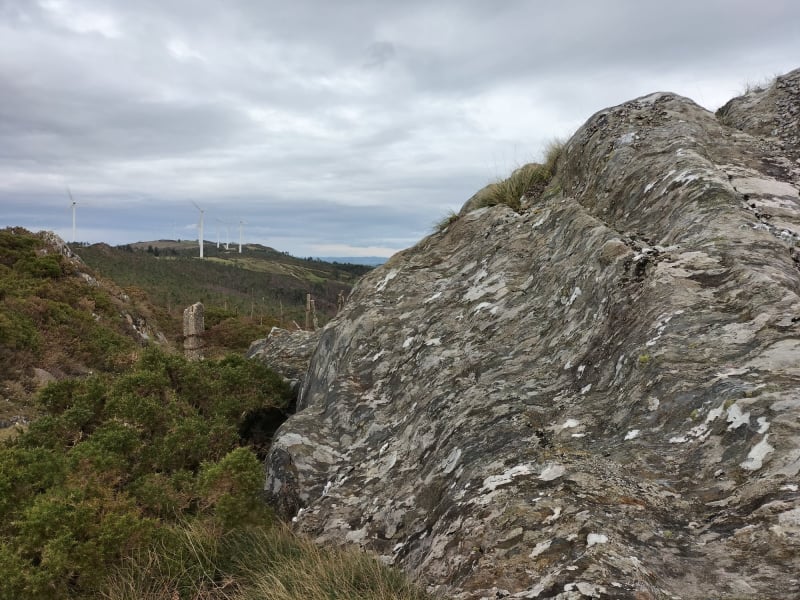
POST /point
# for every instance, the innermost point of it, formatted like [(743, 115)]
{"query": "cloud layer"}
[(352, 124)]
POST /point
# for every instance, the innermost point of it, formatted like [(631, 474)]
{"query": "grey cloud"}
[(371, 117)]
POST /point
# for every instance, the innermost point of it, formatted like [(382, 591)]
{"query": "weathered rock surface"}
[(287, 352), (599, 397)]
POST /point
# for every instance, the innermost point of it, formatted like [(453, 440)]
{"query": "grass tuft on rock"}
[(257, 563), (527, 180)]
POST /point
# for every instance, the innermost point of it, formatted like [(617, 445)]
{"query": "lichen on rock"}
[(540, 404)]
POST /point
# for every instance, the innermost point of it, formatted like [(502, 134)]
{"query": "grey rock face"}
[(595, 398), (286, 352)]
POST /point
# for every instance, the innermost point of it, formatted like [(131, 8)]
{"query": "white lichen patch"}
[(660, 327), (551, 472), (432, 298), (495, 285), (632, 434), (732, 372), (433, 342), (554, 517), (492, 482), (574, 296), (736, 417), (626, 138), (408, 342), (715, 413), (451, 461), (755, 459), (389, 276), (570, 424), (540, 222), (540, 548), (591, 590), (484, 306), (596, 538), (653, 403), (678, 439)]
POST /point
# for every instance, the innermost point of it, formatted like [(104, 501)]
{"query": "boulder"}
[(595, 397), (286, 352)]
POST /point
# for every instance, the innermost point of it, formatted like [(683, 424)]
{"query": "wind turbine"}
[(200, 228), (227, 227), (74, 204), (241, 223)]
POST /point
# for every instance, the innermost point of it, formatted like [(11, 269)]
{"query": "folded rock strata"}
[(598, 397)]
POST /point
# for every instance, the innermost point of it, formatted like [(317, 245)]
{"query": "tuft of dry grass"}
[(528, 179), (266, 563), (448, 219)]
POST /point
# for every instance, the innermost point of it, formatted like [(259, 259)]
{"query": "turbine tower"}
[(241, 223), (200, 228), (74, 204)]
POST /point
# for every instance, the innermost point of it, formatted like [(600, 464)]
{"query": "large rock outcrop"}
[(599, 397)]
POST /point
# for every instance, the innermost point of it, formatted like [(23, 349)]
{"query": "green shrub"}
[(118, 462), (41, 267), (232, 489), (17, 331)]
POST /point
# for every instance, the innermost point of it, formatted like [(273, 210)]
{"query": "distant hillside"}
[(372, 261), (59, 319), (262, 285)]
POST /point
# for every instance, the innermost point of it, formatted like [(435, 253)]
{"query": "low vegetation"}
[(140, 474), (155, 475), (260, 284), (53, 319), (527, 180), (257, 563)]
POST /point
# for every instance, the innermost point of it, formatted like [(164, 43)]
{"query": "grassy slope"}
[(261, 283), (56, 316), (141, 475)]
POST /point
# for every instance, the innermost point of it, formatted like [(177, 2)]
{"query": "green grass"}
[(259, 563), (528, 179), (260, 283), (445, 222)]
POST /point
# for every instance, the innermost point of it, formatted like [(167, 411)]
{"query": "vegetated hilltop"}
[(250, 292), (58, 320), (140, 474), (591, 391)]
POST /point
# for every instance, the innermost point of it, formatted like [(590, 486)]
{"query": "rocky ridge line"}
[(594, 398)]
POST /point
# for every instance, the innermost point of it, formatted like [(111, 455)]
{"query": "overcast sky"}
[(339, 127)]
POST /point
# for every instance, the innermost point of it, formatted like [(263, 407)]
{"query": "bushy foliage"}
[(119, 463), (52, 318)]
